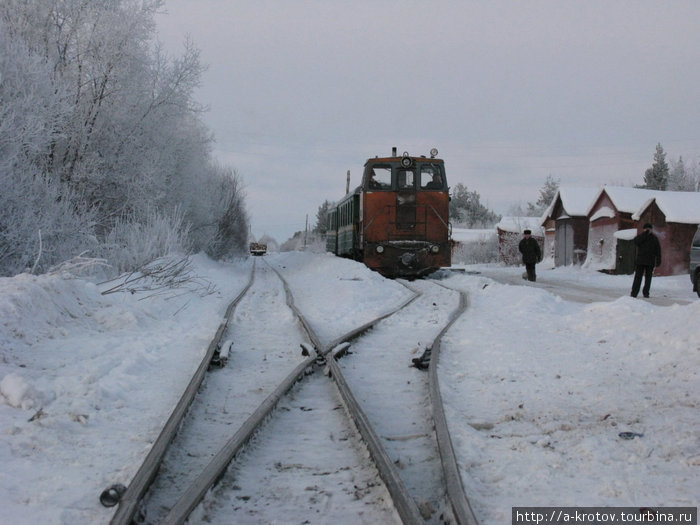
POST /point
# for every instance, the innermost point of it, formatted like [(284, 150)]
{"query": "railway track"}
[(412, 425), (189, 472)]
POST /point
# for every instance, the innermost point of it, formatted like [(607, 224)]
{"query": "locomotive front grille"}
[(409, 222), (406, 211)]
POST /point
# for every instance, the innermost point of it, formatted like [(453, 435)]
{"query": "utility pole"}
[(306, 230)]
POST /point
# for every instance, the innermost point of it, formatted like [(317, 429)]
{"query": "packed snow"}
[(539, 380)]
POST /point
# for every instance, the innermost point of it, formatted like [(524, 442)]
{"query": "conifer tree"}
[(322, 217), (656, 177), (547, 193), (467, 210)]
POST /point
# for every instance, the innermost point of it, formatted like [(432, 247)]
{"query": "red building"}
[(610, 248), (675, 216), (567, 215)]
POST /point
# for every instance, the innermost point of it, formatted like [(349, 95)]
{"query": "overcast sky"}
[(509, 92)]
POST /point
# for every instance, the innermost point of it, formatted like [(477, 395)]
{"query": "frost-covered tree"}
[(466, 209), (322, 217), (42, 222), (229, 218), (656, 177), (547, 194), (94, 113), (694, 175), (679, 178)]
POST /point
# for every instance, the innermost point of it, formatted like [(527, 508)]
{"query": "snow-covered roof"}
[(626, 235), (575, 200), (603, 212), (518, 224), (678, 206), (625, 199)]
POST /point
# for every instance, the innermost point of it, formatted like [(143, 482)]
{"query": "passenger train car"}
[(397, 220)]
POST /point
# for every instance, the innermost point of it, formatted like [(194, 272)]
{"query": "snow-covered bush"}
[(41, 223), (484, 250), (132, 244)]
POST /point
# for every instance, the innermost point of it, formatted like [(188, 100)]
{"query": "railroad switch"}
[(423, 362), (220, 357), (307, 350)]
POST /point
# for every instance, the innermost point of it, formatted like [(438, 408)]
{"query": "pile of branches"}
[(165, 276)]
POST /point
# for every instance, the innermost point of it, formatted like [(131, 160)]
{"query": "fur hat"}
[(527, 232)]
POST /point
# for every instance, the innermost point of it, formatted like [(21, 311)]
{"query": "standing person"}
[(532, 254), (648, 256)]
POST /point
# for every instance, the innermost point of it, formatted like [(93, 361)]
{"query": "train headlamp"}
[(380, 249), (433, 153), (434, 248), (406, 160)]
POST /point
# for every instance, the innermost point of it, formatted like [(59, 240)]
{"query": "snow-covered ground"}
[(538, 388)]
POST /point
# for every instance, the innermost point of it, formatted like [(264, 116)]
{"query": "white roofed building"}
[(675, 216), (611, 212), (566, 225)]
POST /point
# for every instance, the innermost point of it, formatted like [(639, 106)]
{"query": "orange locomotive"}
[(397, 220)]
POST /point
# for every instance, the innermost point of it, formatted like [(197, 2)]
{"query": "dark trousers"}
[(647, 270), (530, 269)]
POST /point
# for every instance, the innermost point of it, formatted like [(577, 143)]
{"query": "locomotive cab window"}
[(431, 178), (378, 178), (405, 179)]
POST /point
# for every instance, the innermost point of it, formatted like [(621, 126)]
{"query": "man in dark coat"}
[(532, 254), (648, 256)]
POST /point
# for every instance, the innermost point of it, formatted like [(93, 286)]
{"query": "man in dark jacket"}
[(532, 254), (648, 256)]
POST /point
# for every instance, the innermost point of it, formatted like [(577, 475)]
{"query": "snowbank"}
[(538, 388)]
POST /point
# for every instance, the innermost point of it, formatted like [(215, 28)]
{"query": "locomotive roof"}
[(422, 158)]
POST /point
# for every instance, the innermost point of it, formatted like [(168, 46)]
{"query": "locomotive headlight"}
[(380, 249), (433, 153), (406, 160), (434, 248)]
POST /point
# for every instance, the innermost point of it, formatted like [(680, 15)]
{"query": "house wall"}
[(602, 244), (571, 236), (571, 243), (508, 243), (675, 239), (602, 250), (549, 239), (508, 247), (603, 200)]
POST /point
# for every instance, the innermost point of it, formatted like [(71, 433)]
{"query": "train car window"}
[(431, 178), (405, 179), (379, 178)]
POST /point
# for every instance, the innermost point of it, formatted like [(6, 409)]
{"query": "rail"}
[(187, 502), (146, 473), (462, 511), (404, 503)]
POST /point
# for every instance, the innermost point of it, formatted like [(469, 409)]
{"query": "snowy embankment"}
[(88, 380), (541, 394), (538, 389)]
